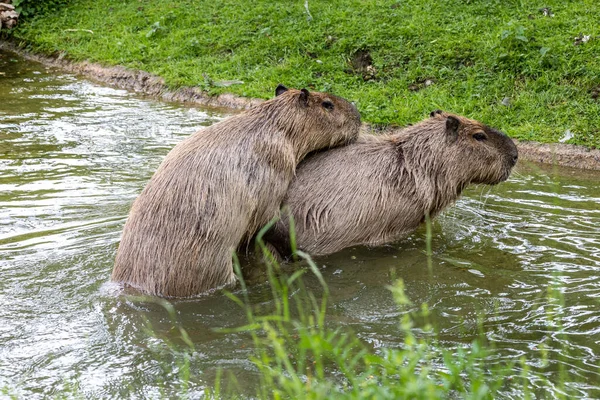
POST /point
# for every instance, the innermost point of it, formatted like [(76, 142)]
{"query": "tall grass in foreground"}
[(300, 356)]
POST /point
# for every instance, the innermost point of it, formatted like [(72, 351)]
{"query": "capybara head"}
[(336, 119), (478, 153)]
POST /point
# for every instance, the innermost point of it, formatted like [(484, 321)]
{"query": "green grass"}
[(476, 53), (300, 355)]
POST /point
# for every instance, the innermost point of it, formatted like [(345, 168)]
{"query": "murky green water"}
[(74, 155)]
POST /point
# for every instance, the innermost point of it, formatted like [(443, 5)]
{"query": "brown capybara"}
[(219, 186), (380, 188)]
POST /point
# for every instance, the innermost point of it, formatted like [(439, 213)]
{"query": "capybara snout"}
[(329, 113), (486, 152)]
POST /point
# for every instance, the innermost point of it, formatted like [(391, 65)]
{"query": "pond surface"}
[(74, 155)]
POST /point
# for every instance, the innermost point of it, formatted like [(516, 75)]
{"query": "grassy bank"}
[(531, 68)]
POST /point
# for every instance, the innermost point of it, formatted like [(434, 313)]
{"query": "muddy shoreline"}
[(142, 82)]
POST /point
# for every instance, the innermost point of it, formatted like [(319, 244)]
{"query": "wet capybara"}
[(219, 186), (380, 188)]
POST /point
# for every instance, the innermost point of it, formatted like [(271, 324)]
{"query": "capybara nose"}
[(514, 159)]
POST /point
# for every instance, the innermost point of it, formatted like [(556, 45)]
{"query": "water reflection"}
[(74, 155)]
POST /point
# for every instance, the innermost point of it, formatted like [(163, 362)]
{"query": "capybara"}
[(219, 186), (381, 188)]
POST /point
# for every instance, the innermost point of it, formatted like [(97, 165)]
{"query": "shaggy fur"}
[(380, 188), (219, 186)]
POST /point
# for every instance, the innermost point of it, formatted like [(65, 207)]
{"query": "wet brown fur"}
[(220, 185), (380, 188)]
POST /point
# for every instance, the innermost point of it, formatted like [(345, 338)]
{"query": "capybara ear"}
[(436, 112), (304, 97), (452, 124), (280, 89)]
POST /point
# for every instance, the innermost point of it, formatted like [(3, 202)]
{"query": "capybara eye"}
[(480, 137), (327, 104)]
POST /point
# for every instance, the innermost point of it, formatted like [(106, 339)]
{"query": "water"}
[(74, 155)]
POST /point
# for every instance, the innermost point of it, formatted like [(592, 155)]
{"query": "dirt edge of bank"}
[(142, 82)]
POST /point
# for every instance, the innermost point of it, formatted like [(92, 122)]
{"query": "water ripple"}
[(521, 259)]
